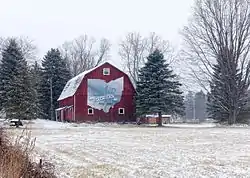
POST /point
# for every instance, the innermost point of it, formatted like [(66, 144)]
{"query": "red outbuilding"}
[(102, 94)]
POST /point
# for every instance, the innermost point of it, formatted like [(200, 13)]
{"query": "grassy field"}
[(128, 151)]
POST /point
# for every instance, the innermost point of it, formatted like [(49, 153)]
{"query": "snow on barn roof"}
[(73, 84)]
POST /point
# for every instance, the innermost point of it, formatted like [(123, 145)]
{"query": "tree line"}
[(34, 92), (196, 106), (217, 44), (30, 91), (215, 50)]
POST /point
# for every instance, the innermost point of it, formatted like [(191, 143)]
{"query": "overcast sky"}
[(52, 22)]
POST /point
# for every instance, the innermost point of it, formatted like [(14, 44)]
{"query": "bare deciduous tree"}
[(156, 42), (219, 34), (29, 49), (103, 51), (134, 49), (27, 46), (82, 53)]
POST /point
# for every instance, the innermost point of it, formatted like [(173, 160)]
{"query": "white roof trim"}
[(73, 84), (65, 107)]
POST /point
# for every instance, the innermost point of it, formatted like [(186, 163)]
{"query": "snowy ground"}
[(128, 151)]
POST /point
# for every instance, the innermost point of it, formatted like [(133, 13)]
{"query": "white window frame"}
[(104, 70), (123, 113), (90, 109)]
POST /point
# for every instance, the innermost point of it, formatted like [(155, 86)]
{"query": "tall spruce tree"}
[(36, 73), (189, 106), (200, 106), (54, 77), (218, 98), (158, 91), (15, 88), (8, 68)]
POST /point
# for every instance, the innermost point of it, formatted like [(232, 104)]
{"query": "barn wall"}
[(112, 116), (68, 113), (66, 102)]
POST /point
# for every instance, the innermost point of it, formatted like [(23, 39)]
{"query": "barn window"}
[(90, 111), (121, 111), (106, 71)]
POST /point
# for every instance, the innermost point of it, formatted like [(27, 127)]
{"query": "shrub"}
[(15, 158)]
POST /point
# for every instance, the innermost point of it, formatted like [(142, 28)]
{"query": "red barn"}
[(102, 94)]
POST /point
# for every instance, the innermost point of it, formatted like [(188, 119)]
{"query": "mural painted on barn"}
[(102, 94)]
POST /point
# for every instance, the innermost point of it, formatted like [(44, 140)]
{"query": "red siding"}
[(81, 109), (67, 102), (68, 113)]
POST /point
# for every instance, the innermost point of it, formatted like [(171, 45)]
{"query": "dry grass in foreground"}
[(15, 158)]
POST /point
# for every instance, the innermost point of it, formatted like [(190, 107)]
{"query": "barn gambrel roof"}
[(73, 84)]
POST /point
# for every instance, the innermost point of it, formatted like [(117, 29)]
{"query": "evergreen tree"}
[(35, 73), (189, 106), (200, 106), (16, 90), (54, 77), (218, 99), (157, 90), (8, 68)]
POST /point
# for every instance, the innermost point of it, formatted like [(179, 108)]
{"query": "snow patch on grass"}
[(114, 150), (234, 126), (203, 125)]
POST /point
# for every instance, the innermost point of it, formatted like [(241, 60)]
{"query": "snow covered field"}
[(128, 151)]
